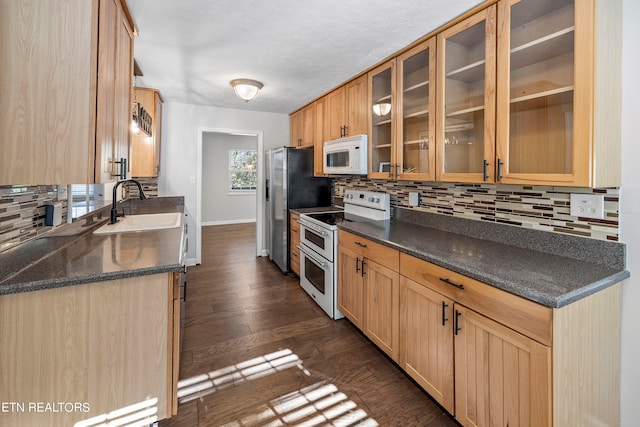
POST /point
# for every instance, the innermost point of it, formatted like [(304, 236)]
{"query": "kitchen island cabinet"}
[(93, 319), (105, 346), (66, 91)]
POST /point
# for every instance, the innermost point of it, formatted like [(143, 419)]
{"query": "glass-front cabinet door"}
[(535, 120), (382, 158), (465, 129), (416, 96)]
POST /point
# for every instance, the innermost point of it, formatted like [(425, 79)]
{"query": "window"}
[(243, 174)]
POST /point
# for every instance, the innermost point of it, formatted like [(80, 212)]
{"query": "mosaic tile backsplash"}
[(541, 208), (23, 211)]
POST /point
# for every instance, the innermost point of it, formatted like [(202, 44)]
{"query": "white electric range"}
[(319, 244)]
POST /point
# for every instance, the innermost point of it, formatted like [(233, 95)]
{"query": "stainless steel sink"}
[(146, 222)]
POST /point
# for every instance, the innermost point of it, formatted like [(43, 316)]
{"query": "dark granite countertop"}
[(550, 279), (72, 254)]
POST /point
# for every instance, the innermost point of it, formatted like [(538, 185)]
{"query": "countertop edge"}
[(486, 277), (72, 281)]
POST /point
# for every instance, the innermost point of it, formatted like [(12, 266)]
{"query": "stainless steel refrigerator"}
[(290, 185)]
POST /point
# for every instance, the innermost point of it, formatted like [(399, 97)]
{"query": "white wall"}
[(630, 214), (218, 205), (181, 127)]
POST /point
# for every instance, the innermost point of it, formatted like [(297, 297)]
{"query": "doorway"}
[(243, 137)]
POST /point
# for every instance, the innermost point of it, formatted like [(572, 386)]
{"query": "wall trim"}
[(227, 222)]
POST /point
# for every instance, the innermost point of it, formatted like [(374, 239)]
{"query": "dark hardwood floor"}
[(259, 352)]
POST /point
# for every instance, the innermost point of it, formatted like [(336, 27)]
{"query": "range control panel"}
[(368, 199)]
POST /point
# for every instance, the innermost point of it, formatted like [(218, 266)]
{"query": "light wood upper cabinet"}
[(382, 112), (465, 127), (318, 140), (416, 106), (145, 149), (303, 127), (402, 108), (347, 110), (554, 59), (65, 105)]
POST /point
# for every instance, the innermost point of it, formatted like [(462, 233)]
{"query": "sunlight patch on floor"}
[(318, 404)]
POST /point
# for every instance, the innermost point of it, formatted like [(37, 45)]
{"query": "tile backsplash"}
[(23, 210), (539, 207)]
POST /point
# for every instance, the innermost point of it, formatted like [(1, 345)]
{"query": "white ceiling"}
[(299, 49)]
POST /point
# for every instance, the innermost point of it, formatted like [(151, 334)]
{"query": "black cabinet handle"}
[(458, 328), (396, 167), (499, 169), (362, 245), (444, 312), (346, 130), (362, 271), (357, 264), (449, 282), (484, 170)]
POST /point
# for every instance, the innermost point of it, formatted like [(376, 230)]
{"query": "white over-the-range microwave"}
[(345, 156)]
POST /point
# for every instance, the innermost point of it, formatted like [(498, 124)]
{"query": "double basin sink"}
[(144, 222)]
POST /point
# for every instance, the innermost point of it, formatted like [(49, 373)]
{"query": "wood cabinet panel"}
[(145, 150), (357, 119), (294, 242), (335, 120), (466, 99), (48, 97), (502, 377), (381, 254), (381, 300), (319, 137), (106, 344), (66, 103), (426, 340), (527, 317), (350, 285)]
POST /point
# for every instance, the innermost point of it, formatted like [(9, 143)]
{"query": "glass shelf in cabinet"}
[(560, 96), (416, 86), (542, 49), (469, 73), (383, 122)]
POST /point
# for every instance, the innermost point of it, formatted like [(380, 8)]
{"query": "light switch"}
[(414, 199)]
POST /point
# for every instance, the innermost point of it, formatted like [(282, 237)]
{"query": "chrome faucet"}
[(114, 210)]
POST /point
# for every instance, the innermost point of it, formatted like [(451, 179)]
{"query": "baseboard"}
[(227, 222)]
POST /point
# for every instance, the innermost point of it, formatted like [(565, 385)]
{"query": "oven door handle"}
[(323, 264), (313, 228)]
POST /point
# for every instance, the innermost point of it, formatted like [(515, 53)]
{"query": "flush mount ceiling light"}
[(381, 109), (246, 89)]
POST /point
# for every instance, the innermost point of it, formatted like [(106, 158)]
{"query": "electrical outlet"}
[(587, 205), (414, 199)]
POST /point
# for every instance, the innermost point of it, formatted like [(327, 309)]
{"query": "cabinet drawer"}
[(527, 317), (381, 254)]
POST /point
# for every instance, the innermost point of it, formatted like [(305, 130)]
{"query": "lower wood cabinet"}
[(492, 358), (294, 242), (369, 289), (502, 378), (426, 347), (489, 357), (94, 348)]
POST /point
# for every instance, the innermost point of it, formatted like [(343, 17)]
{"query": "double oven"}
[(319, 244)]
